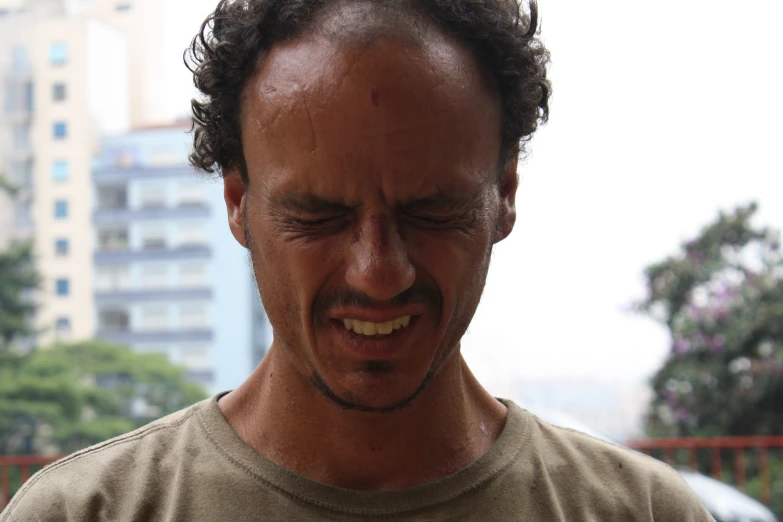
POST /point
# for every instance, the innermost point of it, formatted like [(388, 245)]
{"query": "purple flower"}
[(721, 312), (681, 345), (718, 342)]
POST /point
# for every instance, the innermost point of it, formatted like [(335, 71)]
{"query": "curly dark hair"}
[(231, 41)]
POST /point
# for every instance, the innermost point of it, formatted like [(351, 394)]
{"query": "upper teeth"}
[(368, 328)]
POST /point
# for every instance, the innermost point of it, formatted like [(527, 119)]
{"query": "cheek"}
[(455, 262), (289, 270)]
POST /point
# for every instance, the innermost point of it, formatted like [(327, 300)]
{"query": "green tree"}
[(18, 279), (721, 298), (69, 396)]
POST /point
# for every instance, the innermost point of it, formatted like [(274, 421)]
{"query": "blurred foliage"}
[(7, 186), (18, 279), (754, 486), (721, 298), (66, 397), (69, 396)]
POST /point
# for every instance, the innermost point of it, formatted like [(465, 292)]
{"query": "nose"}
[(379, 266)]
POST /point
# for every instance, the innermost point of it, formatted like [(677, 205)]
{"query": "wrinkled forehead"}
[(406, 95)]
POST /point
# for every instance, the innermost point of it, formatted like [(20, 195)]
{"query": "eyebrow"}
[(316, 204)]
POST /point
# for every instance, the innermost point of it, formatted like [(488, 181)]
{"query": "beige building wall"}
[(142, 23), (110, 81), (93, 91)]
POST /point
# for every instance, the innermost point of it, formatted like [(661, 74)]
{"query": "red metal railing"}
[(22, 467), (716, 446)]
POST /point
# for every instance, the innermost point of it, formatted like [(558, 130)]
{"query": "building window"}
[(21, 136), (192, 195), (60, 209), (22, 174), (58, 53), (113, 239), (23, 213), (165, 156), (60, 171), (59, 92), (193, 317), (192, 235), (153, 239), (155, 317), (153, 196), (60, 130), (122, 7), (154, 276), (114, 320), (61, 247), (193, 275), (112, 197), (63, 287), (63, 327), (20, 60), (112, 278), (195, 357), (29, 97)]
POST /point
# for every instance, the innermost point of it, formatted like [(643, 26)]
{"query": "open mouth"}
[(376, 330)]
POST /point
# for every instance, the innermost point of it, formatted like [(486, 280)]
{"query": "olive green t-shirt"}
[(191, 466)]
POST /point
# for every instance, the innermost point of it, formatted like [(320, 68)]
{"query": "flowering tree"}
[(721, 298)]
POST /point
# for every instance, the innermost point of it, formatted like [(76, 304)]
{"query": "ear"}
[(235, 192), (509, 182)]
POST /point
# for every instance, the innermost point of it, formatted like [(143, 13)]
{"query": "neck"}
[(450, 425)]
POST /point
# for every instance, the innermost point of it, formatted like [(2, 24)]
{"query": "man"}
[(369, 156)]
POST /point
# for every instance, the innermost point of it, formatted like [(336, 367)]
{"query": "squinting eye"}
[(432, 220), (314, 223)]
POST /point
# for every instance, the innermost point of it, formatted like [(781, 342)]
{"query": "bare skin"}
[(375, 192)]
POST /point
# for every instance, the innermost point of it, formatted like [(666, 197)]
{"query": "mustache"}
[(417, 294)]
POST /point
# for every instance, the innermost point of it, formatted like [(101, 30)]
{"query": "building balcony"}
[(106, 175), (117, 216), (151, 295), (111, 257), (135, 337), (203, 377), (18, 114), (18, 152)]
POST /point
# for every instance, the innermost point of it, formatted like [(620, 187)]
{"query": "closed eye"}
[(435, 220), (316, 222)]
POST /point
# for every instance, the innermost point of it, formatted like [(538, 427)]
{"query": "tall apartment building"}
[(169, 277), (158, 274), (64, 81)]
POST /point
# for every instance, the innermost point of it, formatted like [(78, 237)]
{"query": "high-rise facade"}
[(64, 83), (158, 274), (169, 277)]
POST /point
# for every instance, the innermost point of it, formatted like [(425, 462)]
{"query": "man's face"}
[(372, 206)]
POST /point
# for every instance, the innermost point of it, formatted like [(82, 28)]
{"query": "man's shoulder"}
[(102, 469), (610, 477)]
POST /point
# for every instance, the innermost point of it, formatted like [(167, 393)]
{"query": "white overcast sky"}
[(663, 113)]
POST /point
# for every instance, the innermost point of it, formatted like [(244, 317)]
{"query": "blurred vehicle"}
[(725, 503)]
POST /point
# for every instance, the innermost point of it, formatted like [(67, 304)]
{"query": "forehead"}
[(398, 104)]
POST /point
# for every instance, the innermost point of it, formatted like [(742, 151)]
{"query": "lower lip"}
[(375, 348)]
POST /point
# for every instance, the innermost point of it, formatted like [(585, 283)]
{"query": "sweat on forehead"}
[(241, 34), (321, 101)]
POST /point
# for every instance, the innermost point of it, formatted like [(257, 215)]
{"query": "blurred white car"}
[(724, 502)]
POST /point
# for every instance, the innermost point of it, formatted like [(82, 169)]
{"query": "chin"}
[(377, 388)]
